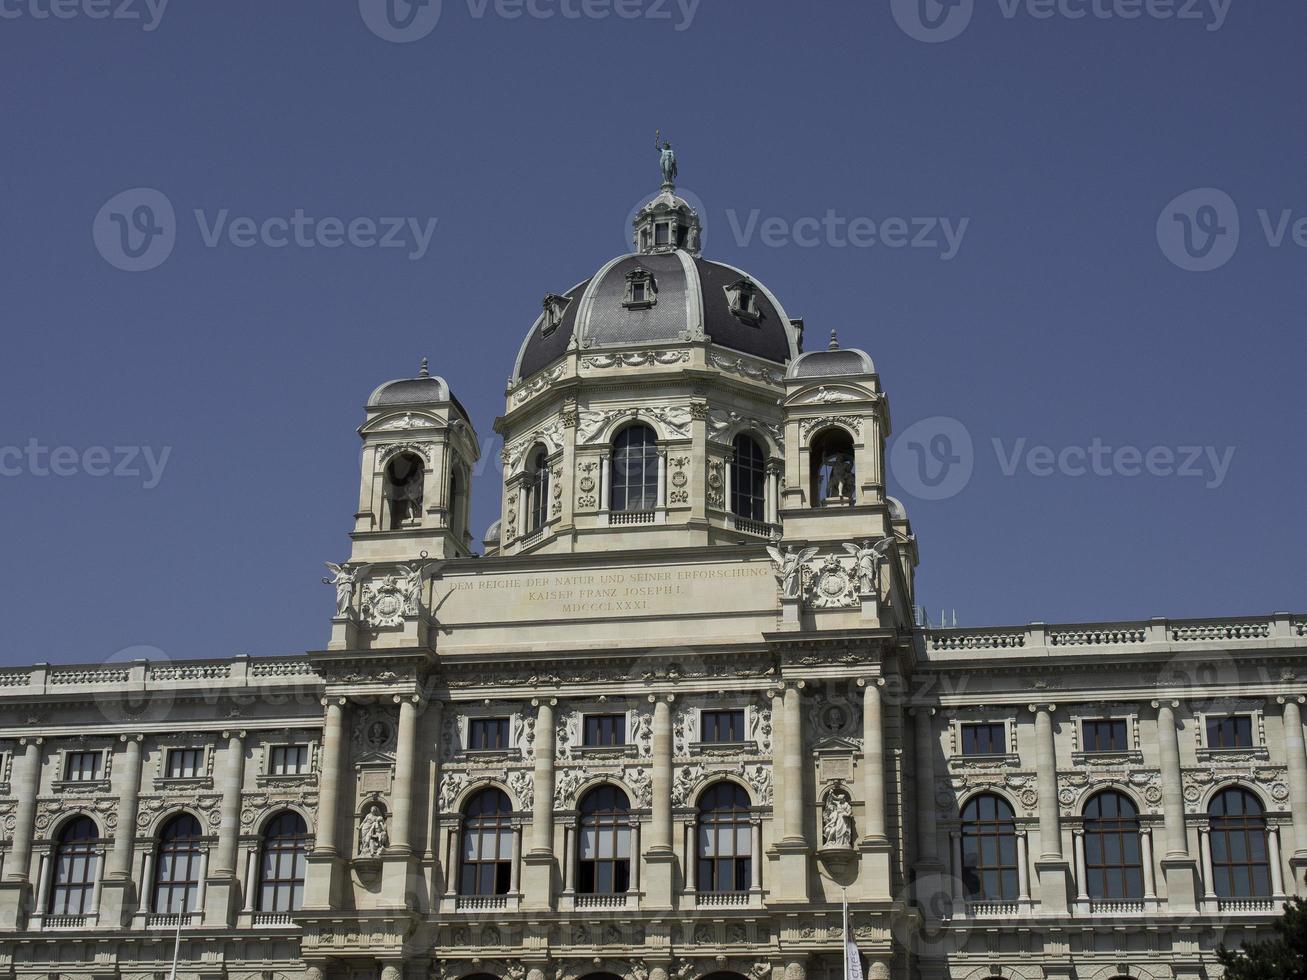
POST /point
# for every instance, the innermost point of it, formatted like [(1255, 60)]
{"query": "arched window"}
[(1114, 866), (604, 854), (281, 872), (178, 865), (831, 468), (989, 850), (74, 868), (403, 489), (748, 479), (633, 479), (725, 844), (1240, 863), (537, 490), (487, 844)]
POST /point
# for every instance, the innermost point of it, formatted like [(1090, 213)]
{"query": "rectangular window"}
[(1230, 732), (605, 729), (289, 760), (185, 763), (721, 726), (661, 236), (637, 292), (487, 733), (984, 738), (1105, 735), (82, 767)]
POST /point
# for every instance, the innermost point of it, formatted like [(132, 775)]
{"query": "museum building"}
[(671, 718)]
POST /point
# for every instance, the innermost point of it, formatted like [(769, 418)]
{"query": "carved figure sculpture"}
[(789, 568), (373, 838), (837, 820)]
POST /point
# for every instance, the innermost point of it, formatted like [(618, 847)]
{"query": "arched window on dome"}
[(282, 863), (403, 490), (74, 874), (1114, 868), (748, 478), (1241, 866), (989, 870), (179, 866), (724, 845), (604, 845), (633, 474), (833, 479), (537, 490), (487, 854)]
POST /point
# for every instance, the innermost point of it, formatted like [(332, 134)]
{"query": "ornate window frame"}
[(180, 742), (695, 745), (495, 709), (265, 776), (742, 295), (1129, 713), (62, 784), (1255, 710), (642, 279), (956, 721), (555, 306)]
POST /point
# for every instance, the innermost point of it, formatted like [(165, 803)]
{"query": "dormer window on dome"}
[(641, 290), (665, 224), (554, 306), (742, 295)]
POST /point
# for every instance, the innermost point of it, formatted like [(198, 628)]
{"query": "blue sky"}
[(1061, 317)]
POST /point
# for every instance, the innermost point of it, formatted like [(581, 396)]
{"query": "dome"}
[(671, 296), (425, 389), (832, 362)]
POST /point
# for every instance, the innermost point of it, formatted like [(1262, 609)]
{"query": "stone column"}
[(791, 878), (117, 890), (660, 861), (17, 868), (873, 759), (401, 819), (875, 877), (333, 750), (660, 836), (221, 899), (129, 771), (538, 864), (322, 890), (1052, 867), (1178, 867), (924, 746), (1296, 757), (792, 710)]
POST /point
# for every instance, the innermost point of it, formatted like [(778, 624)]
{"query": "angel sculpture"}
[(344, 578), (789, 567), (867, 558)]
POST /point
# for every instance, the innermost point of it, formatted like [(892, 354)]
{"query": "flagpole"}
[(176, 946), (844, 928)]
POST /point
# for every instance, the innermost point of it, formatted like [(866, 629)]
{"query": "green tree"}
[(1282, 956)]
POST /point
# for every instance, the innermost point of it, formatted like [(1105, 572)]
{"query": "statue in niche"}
[(837, 820), (839, 479), (403, 490), (373, 838)]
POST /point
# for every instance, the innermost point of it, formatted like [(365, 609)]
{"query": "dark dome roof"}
[(832, 362), (692, 302), (425, 389)]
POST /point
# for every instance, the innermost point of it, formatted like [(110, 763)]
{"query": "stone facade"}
[(660, 741)]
